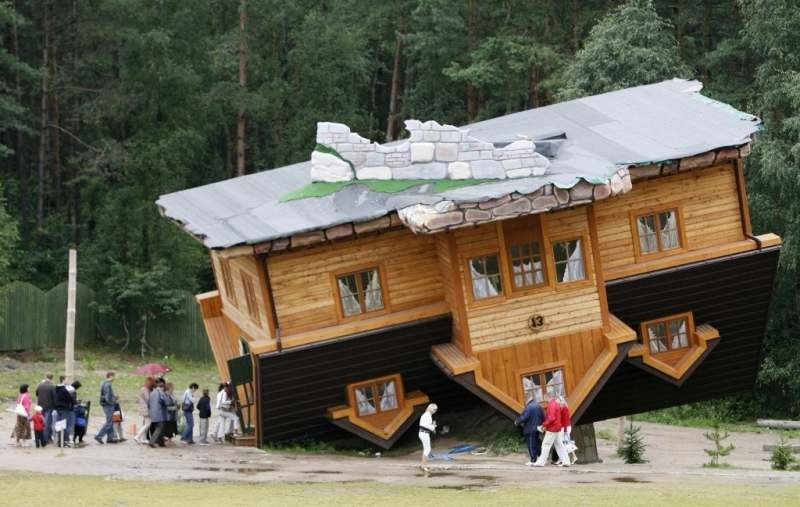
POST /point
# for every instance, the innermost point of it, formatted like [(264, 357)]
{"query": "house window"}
[(227, 280), (537, 383), (525, 259), (671, 333), (360, 292), (658, 231), (485, 274), (250, 298), (376, 396), (568, 257)]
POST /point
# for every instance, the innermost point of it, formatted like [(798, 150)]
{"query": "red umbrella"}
[(152, 369)]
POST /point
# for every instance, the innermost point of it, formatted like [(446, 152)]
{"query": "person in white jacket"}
[(427, 426), (219, 426)]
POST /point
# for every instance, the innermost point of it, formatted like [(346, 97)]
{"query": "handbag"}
[(20, 410), (187, 406)]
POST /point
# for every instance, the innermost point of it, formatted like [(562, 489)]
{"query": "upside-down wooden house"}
[(599, 248)]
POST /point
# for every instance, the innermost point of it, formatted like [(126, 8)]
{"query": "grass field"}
[(91, 367), (90, 491)]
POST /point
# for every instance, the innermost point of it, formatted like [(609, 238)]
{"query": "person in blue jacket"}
[(530, 420)]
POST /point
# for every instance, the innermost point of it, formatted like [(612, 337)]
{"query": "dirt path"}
[(675, 455)]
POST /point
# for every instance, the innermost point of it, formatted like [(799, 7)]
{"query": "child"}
[(204, 408), (38, 427), (80, 423), (116, 419)]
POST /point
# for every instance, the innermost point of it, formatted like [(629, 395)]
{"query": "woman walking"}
[(22, 430), (427, 426), (171, 425), (143, 400)]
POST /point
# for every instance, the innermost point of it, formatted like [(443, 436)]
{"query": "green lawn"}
[(90, 491), (90, 369)]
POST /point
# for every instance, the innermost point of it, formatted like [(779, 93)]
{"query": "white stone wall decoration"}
[(432, 152)]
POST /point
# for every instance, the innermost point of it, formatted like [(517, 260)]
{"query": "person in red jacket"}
[(552, 428), (38, 427)]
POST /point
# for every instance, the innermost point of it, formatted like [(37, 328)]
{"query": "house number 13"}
[(535, 322)]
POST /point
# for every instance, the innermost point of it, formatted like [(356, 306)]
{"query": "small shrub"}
[(506, 442), (719, 450), (782, 457), (632, 449), (89, 362)]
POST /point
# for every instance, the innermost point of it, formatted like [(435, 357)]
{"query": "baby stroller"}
[(81, 420)]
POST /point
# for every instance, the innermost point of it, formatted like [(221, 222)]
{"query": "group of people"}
[(160, 411), (555, 423), (54, 403), (59, 416), (543, 429)]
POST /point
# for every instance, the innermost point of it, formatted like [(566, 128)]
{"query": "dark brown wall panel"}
[(298, 385), (732, 294)]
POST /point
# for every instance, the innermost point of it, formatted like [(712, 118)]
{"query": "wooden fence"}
[(31, 318)]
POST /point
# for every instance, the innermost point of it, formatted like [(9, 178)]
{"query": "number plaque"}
[(536, 322)]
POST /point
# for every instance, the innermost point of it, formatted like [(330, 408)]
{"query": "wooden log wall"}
[(574, 353), (235, 308), (710, 205), (303, 281), (567, 308)]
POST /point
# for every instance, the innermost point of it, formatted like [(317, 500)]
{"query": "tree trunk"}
[(533, 86), (472, 96), (55, 136), (143, 339), (576, 27), (43, 115), (19, 148), (391, 122), (240, 126)]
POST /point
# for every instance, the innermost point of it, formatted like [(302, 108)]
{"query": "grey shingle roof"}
[(652, 123)]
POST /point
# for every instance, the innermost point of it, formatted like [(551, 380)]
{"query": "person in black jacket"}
[(204, 412), (65, 407), (530, 420)]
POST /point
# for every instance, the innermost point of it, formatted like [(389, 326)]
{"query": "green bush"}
[(632, 449), (782, 457)]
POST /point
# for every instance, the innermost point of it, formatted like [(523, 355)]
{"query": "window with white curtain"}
[(485, 274), (360, 292), (568, 257), (658, 231), (536, 384), (376, 396), (525, 257), (668, 334)]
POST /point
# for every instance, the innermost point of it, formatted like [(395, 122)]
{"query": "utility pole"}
[(69, 346)]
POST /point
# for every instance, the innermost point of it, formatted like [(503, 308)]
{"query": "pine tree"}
[(631, 46), (782, 457), (633, 446), (720, 450)]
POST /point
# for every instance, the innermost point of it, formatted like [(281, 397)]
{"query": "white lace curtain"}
[(372, 296), (389, 397), (482, 287), (527, 273), (669, 230), (350, 304), (365, 404), (574, 269), (647, 236)]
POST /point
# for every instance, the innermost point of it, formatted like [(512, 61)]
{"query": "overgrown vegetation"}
[(719, 450), (104, 106), (632, 446)]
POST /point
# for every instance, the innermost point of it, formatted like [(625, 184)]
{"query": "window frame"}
[(374, 383), (251, 301), (588, 269), (467, 258), (508, 234), (227, 281), (356, 270), (655, 210), (541, 370), (690, 331)]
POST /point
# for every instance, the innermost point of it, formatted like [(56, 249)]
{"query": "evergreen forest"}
[(106, 104)]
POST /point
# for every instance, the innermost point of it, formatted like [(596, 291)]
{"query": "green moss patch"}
[(323, 189)]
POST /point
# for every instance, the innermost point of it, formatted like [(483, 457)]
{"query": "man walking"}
[(187, 406), (107, 400), (552, 426), (46, 398), (158, 414), (530, 420)]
